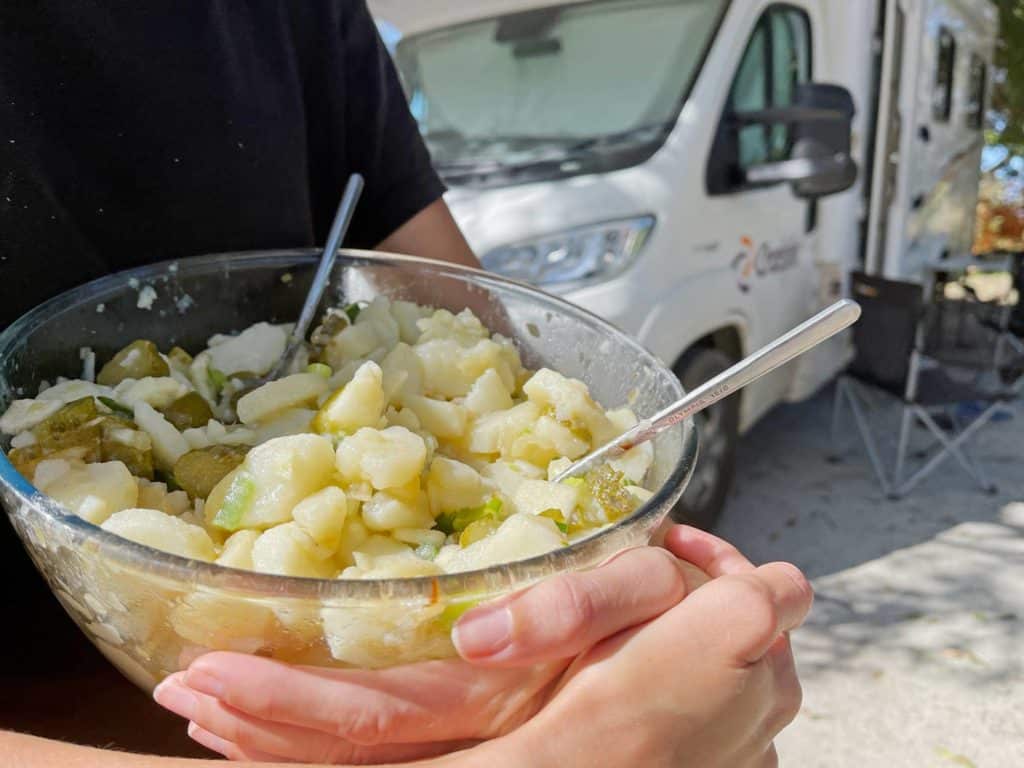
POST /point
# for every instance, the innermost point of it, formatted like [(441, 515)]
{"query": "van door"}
[(764, 231)]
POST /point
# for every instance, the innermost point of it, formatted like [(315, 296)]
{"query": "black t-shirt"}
[(135, 132), (132, 132)]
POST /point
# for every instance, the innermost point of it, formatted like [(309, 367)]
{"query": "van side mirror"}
[(820, 161)]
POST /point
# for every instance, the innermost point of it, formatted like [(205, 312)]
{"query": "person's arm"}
[(18, 750), (432, 234)]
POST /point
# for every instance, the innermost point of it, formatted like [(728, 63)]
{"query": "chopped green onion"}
[(217, 379), (236, 503), (426, 551), (458, 521), (352, 311), (558, 517), (115, 406), (320, 369), (575, 482)]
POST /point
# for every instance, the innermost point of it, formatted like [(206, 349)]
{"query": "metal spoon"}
[(822, 326), (339, 227)]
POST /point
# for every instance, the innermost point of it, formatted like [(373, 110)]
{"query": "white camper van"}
[(704, 173)]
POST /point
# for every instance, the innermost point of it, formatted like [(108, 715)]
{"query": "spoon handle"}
[(339, 227), (809, 334)]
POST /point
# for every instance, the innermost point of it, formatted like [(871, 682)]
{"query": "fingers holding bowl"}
[(568, 613)]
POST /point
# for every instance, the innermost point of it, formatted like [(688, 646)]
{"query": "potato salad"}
[(407, 442)]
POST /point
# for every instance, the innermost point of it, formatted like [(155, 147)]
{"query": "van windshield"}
[(556, 91)]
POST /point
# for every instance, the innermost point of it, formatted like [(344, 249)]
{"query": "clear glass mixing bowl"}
[(151, 612)]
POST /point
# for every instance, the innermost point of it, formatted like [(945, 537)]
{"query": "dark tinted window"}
[(777, 60), (942, 98), (976, 93)]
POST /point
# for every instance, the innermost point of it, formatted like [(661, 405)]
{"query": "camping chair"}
[(889, 361)]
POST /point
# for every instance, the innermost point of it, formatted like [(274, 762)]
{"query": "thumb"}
[(566, 614)]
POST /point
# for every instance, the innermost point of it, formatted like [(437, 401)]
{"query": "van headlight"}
[(574, 256)]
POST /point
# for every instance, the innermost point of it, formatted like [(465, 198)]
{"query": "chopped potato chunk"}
[(385, 458), (275, 397), (360, 403), (287, 550), (322, 516), (274, 477), (160, 530), (91, 491)]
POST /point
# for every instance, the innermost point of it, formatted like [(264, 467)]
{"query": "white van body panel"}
[(743, 261), (926, 186)]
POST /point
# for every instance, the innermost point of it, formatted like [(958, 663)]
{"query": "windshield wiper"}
[(469, 169), (612, 140), (564, 151)]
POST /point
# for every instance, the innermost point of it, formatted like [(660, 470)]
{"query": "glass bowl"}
[(151, 612)]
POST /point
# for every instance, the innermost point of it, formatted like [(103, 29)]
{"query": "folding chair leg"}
[(980, 476), (951, 448), (865, 435), (901, 450)]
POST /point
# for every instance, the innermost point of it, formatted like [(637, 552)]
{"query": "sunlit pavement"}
[(914, 653)]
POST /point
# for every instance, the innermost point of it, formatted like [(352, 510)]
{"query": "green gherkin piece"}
[(25, 459), (138, 360), (76, 425), (116, 407), (188, 411), (199, 471), (71, 416), (138, 462)]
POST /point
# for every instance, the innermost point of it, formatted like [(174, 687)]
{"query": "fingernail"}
[(177, 698), (483, 633), (204, 682)]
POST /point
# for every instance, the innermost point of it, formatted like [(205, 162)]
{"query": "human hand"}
[(710, 683), (251, 708)]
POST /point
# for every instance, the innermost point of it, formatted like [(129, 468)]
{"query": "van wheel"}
[(718, 427)]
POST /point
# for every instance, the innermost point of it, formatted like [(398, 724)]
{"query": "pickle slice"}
[(199, 471), (138, 360), (26, 459), (122, 441), (188, 411), (77, 426)]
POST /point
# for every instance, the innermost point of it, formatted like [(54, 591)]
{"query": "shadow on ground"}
[(791, 503), (914, 652)]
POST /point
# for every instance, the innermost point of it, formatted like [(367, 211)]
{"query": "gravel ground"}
[(914, 653)]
